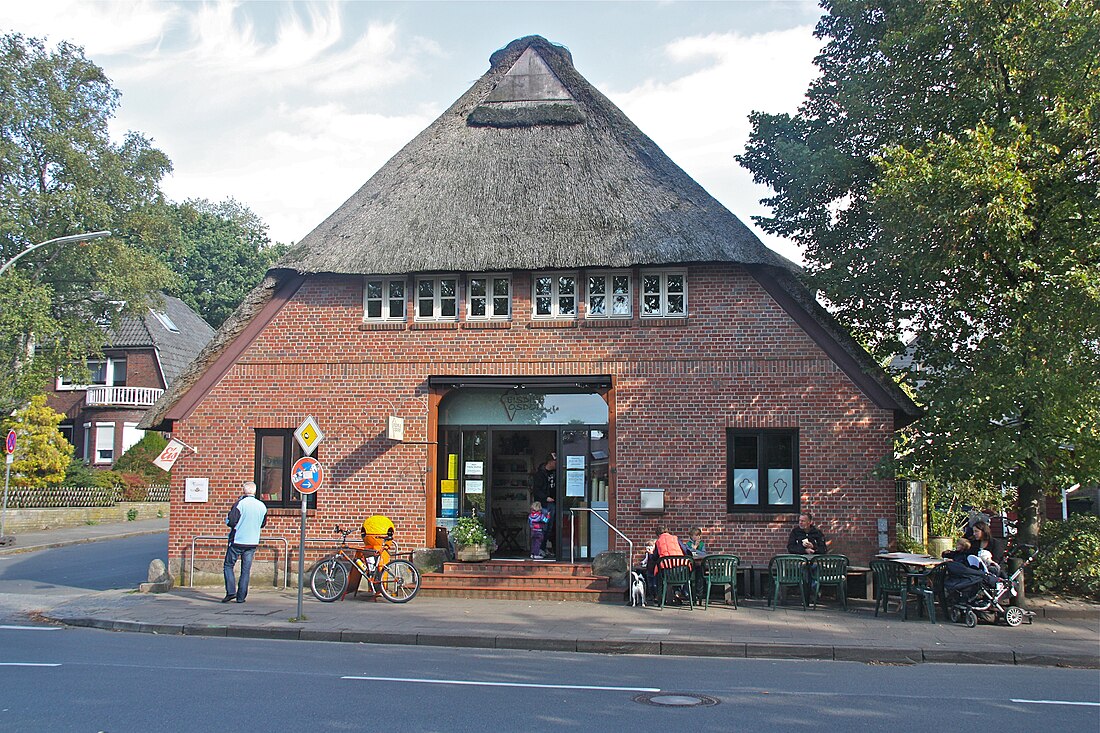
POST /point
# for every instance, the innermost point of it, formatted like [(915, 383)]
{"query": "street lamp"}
[(56, 240)]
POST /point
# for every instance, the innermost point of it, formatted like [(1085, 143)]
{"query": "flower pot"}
[(939, 545), (471, 553)]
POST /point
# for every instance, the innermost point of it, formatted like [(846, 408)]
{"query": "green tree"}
[(138, 458), (943, 177), (60, 174), (224, 253), (42, 454)]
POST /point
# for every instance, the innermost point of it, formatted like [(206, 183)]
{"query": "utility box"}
[(653, 501)]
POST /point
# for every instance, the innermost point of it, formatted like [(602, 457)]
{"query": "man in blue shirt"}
[(246, 518)]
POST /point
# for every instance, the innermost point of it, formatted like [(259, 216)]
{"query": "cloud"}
[(701, 117), (101, 28)]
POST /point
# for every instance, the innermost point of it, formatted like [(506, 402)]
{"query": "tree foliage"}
[(138, 459), (224, 252), (61, 174), (42, 454), (943, 177)]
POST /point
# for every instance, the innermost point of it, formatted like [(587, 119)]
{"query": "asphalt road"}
[(105, 565), (86, 680)]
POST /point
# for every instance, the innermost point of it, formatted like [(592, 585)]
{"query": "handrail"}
[(222, 537), (613, 528)]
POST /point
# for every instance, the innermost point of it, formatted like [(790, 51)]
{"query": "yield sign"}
[(308, 435), (307, 475)]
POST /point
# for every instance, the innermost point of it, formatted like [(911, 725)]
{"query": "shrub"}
[(470, 531), (138, 459), (131, 515), (907, 543), (80, 474), (1070, 559), (134, 487)]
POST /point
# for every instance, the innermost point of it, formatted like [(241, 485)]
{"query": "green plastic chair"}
[(675, 571), (919, 585), (831, 571), (890, 580), (720, 570), (787, 570)]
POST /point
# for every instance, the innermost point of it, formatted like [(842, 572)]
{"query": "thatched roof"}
[(532, 168)]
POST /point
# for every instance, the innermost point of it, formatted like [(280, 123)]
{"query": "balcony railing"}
[(122, 396)]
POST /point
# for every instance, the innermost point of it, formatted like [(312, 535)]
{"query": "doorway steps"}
[(536, 580)]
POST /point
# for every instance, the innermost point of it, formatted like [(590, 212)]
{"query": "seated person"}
[(981, 538), (668, 545), (695, 544), (647, 568), (962, 549), (806, 539)]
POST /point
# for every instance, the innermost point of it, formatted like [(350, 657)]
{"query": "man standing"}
[(806, 539), (245, 519)]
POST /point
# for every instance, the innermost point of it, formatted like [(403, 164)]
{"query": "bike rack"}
[(613, 528), (191, 564)]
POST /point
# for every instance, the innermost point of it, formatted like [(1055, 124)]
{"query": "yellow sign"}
[(452, 465), (447, 486), (309, 435)]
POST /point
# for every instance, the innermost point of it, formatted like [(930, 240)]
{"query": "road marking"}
[(31, 628), (27, 664), (502, 684), (1056, 702)]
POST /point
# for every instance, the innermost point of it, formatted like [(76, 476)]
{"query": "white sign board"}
[(395, 428), (574, 483), (475, 468), (475, 487), (196, 490), (168, 456)]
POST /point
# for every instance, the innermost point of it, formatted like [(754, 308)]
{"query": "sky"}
[(289, 107)]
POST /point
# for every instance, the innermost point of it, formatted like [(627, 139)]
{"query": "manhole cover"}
[(676, 700)]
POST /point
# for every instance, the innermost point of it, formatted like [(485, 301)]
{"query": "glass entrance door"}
[(583, 486)]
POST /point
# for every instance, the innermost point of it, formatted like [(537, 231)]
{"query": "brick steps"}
[(519, 580)]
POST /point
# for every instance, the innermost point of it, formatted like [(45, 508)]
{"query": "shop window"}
[(490, 296), (762, 471), (437, 299), (609, 295), (276, 452), (555, 296), (384, 299), (664, 294)]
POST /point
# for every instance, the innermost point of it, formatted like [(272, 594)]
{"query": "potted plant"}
[(472, 540)]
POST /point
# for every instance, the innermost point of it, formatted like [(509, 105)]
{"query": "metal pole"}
[(4, 511), (301, 557)]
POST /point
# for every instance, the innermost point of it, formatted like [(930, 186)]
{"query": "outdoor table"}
[(918, 568)]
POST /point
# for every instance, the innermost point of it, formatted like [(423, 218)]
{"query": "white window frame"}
[(555, 296), (386, 300), (664, 294), (608, 277), (87, 442), (63, 385), (490, 296), (437, 298), (98, 459)]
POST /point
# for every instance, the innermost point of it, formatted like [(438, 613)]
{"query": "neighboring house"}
[(532, 274), (143, 357)]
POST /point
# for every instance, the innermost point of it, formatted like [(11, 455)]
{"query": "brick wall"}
[(738, 361)]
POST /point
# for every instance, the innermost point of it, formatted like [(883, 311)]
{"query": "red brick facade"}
[(738, 360)]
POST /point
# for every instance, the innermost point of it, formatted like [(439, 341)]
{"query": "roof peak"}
[(512, 51)]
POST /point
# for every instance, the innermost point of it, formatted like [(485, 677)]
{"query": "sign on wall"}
[(196, 489)]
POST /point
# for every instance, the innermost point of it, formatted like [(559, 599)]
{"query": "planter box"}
[(471, 553)]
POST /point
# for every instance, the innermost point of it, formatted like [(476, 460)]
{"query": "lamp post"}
[(56, 240)]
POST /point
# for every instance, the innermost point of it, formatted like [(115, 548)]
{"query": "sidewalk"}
[(1065, 633)]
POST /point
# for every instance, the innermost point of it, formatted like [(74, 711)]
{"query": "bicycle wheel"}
[(399, 581), (329, 580)]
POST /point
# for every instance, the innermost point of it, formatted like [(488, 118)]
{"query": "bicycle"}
[(396, 579)]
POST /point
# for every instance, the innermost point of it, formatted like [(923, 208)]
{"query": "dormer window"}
[(609, 295), (384, 299), (489, 297), (664, 294)]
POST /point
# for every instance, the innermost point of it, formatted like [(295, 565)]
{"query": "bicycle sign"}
[(307, 475)]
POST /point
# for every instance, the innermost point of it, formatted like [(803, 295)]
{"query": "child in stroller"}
[(972, 590)]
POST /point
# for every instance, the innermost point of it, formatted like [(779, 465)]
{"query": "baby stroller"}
[(973, 590)]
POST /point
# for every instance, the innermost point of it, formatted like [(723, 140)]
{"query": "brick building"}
[(532, 275), (143, 357)]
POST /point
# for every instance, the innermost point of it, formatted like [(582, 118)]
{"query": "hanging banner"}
[(168, 456)]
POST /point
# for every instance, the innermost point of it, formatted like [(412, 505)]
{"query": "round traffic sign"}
[(307, 475), (10, 445)]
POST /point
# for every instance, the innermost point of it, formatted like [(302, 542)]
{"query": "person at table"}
[(962, 549), (806, 539), (695, 545), (981, 538), (668, 545)]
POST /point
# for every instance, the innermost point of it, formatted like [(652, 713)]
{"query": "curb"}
[(867, 655), (79, 541)]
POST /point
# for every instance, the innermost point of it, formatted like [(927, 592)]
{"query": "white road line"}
[(1057, 702), (31, 628), (502, 684), (27, 664)]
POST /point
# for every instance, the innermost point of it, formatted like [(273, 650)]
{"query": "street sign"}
[(307, 475), (308, 435), (10, 445)]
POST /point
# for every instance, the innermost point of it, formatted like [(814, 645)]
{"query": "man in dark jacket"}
[(806, 539), (544, 491)]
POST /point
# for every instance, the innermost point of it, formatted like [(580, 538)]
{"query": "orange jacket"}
[(668, 545)]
